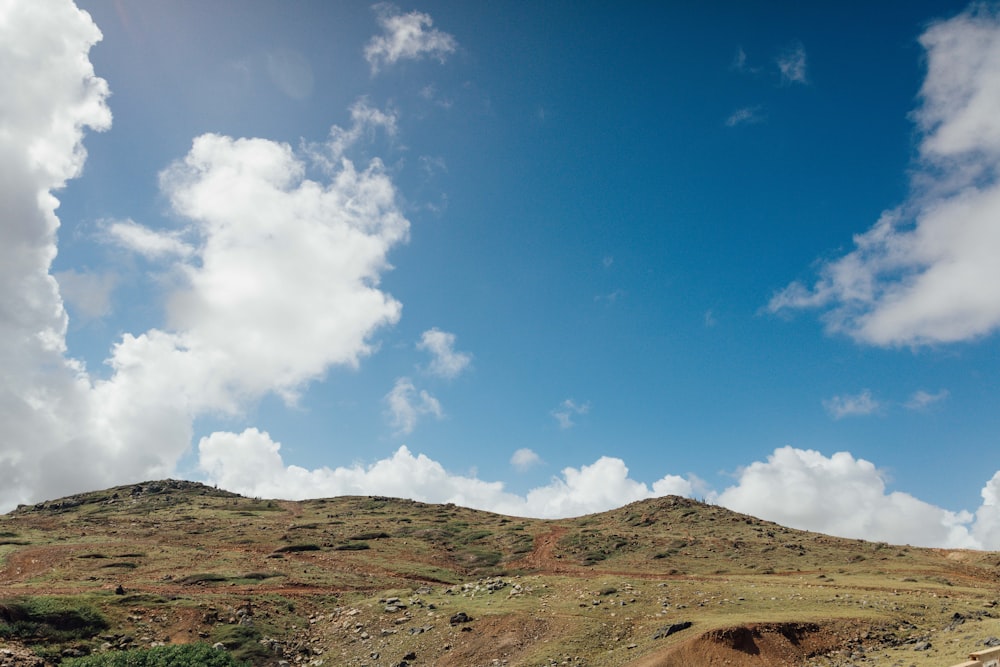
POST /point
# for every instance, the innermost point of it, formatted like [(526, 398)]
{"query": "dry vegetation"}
[(380, 581)]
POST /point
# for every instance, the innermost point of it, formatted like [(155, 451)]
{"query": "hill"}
[(383, 581)]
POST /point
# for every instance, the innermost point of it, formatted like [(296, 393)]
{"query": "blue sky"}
[(540, 259)]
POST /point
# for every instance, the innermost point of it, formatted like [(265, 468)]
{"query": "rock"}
[(921, 646), (668, 630), (219, 646), (119, 590), (956, 621), (460, 617), (991, 641)]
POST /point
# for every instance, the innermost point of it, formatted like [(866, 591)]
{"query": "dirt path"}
[(542, 558)]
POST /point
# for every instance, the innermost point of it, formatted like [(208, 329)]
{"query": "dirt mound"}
[(756, 645)]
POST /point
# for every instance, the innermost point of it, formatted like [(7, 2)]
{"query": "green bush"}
[(49, 619), (361, 537), (187, 655), (242, 641), (202, 578)]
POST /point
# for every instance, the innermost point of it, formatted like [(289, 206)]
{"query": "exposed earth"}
[(386, 582)]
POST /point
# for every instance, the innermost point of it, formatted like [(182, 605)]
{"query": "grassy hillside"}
[(381, 581)]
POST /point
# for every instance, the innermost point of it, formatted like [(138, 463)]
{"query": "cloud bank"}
[(926, 272), (837, 495), (251, 463)]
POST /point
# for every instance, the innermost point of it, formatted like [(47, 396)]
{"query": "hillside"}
[(382, 581)]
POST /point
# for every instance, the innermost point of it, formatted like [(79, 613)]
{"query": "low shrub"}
[(187, 655), (242, 641), (49, 619), (370, 536), (289, 548), (201, 578)]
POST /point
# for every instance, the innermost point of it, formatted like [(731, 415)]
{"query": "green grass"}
[(188, 655)]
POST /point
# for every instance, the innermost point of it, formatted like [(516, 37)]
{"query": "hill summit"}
[(385, 581)]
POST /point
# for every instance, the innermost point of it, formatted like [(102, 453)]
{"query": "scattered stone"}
[(668, 630), (460, 617), (922, 646), (956, 620), (991, 641)]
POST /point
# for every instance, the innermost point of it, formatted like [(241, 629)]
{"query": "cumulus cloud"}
[(409, 36), (792, 64), (407, 405), (567, 410), (278, 274), (856, 405), (926, 272), (446, 362), (250, 463), (525, 458), (838, 495), (51, 97), (986, 529), (845, 496)]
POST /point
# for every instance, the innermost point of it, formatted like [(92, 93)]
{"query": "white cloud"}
[(278, 274), (837, 495), (926, 272), (921, 399), (89, 294), (852, 405), (524, 458), (746, 116), (407, 405), (250, 463), (841, 495), (406, 37), (50, 97), (365, 120), (445, 361), (567, 410), (290, 263), (792, 64), (149, 243), (986, 529)]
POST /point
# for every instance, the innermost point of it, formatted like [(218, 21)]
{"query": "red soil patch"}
[(756, 645)]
